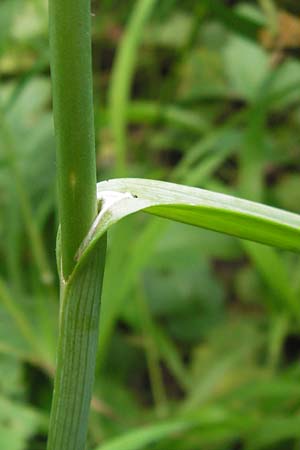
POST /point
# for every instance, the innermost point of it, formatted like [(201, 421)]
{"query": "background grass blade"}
[(122, 76), (142, 438), (37, 244), (210, 421)]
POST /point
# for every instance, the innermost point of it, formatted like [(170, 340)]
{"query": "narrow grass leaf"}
[(122, 75), (150, 434), (143, 437), (230, 215)]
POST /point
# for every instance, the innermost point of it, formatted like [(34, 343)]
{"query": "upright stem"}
[(81, 283), (70, 44)]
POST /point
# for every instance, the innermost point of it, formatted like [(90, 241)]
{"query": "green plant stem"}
[(71, 68), (81, 281)]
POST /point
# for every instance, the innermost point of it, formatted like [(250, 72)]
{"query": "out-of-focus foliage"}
[(200, 333)]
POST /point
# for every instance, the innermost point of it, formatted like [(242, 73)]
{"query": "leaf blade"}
[(222, 213)]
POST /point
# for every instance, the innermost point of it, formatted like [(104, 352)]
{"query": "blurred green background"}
[(200, 333)]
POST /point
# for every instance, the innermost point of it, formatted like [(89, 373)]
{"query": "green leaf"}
[(212, 423), (223, 213), (17, 424), (274, 431), (142, 437), (8, 9), (145, 436), (243, 78), (122, 74), (18, 421), (235, 20)]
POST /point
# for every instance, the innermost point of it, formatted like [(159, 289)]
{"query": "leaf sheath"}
[(78, 341)]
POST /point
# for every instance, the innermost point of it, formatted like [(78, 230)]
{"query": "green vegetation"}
[(199, 331)]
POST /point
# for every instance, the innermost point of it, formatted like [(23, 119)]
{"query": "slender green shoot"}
[(81, 282), (71, 68)]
